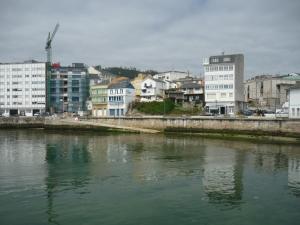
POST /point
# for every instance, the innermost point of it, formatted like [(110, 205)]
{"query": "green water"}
[(89, 178)]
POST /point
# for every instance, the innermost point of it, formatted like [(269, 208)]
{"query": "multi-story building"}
[(152, 90), (98, 94), (224, 89), (137, 84), (22, 88), (120, 95), (269, 91), (193, 92), (68, 88)]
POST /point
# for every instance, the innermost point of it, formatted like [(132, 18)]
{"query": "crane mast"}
[(49, 40)]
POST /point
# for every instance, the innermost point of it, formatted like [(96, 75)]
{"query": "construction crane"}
[(48, 47)]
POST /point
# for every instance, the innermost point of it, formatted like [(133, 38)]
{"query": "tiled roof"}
[(121, 82)]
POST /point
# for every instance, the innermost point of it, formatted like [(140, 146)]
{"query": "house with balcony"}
[(152, 90), (120, 94), (99, 98), (193, 92)]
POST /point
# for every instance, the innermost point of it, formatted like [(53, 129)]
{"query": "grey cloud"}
[(154, 34)]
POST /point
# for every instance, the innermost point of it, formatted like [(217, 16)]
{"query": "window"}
[(215, 60), (226, 59), (230, 95), (75, 99), (298, 111), (75, 89), (211, 95), (223, 95), (75, 82)]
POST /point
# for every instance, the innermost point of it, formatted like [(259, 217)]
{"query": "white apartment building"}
[(152, 90), (294, 102), (120, 94), (224, 88), (22, 88)]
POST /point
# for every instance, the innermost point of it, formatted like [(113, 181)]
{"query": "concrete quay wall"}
[(263, 126), (22, 122), (255, 126)]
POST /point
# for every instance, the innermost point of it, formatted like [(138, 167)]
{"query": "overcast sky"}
[(154, 34)]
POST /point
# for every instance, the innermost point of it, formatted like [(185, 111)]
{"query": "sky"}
[(154, 34)]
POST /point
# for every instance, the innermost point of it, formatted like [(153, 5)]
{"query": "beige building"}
[(99, 98), (269, 91), (137, 84)]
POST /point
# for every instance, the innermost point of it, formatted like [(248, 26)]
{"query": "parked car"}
[(248, 112), (37, 114)]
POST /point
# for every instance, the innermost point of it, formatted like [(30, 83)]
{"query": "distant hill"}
[(130, 72)]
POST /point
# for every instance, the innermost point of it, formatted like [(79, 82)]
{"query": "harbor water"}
[(140, 179)]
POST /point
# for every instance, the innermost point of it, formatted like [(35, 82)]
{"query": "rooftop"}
[(190, 85)]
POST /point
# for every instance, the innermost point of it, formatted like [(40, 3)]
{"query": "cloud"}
[(155, 34)]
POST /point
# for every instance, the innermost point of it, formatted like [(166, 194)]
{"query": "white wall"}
[(294, 104), (150, 87), (127, 95), (170, 75)]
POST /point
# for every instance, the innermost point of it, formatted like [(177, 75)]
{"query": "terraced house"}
[(120, 94), (99, 99)]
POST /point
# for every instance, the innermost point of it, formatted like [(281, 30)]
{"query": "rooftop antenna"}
[(49, 40)]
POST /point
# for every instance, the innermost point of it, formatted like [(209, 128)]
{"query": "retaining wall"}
[(177, 124)]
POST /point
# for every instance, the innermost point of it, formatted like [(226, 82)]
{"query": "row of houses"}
[(33, 87), (113, 97)]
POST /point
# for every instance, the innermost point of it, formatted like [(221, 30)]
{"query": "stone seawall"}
[(255, 126), (263, 126), (22, 122)]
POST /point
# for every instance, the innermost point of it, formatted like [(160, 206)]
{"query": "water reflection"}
[(294, 176), (67, 165), (223, 175)]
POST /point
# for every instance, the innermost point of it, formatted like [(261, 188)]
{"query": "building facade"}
[(152, 90), (99, 97), (68, 88), (22, 88), (224, 89), (294, 102), (120, 94), (137, 84), (193, 92), (171, 75), (269, 92)]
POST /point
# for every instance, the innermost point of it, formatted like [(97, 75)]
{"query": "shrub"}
[(155, 108)]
